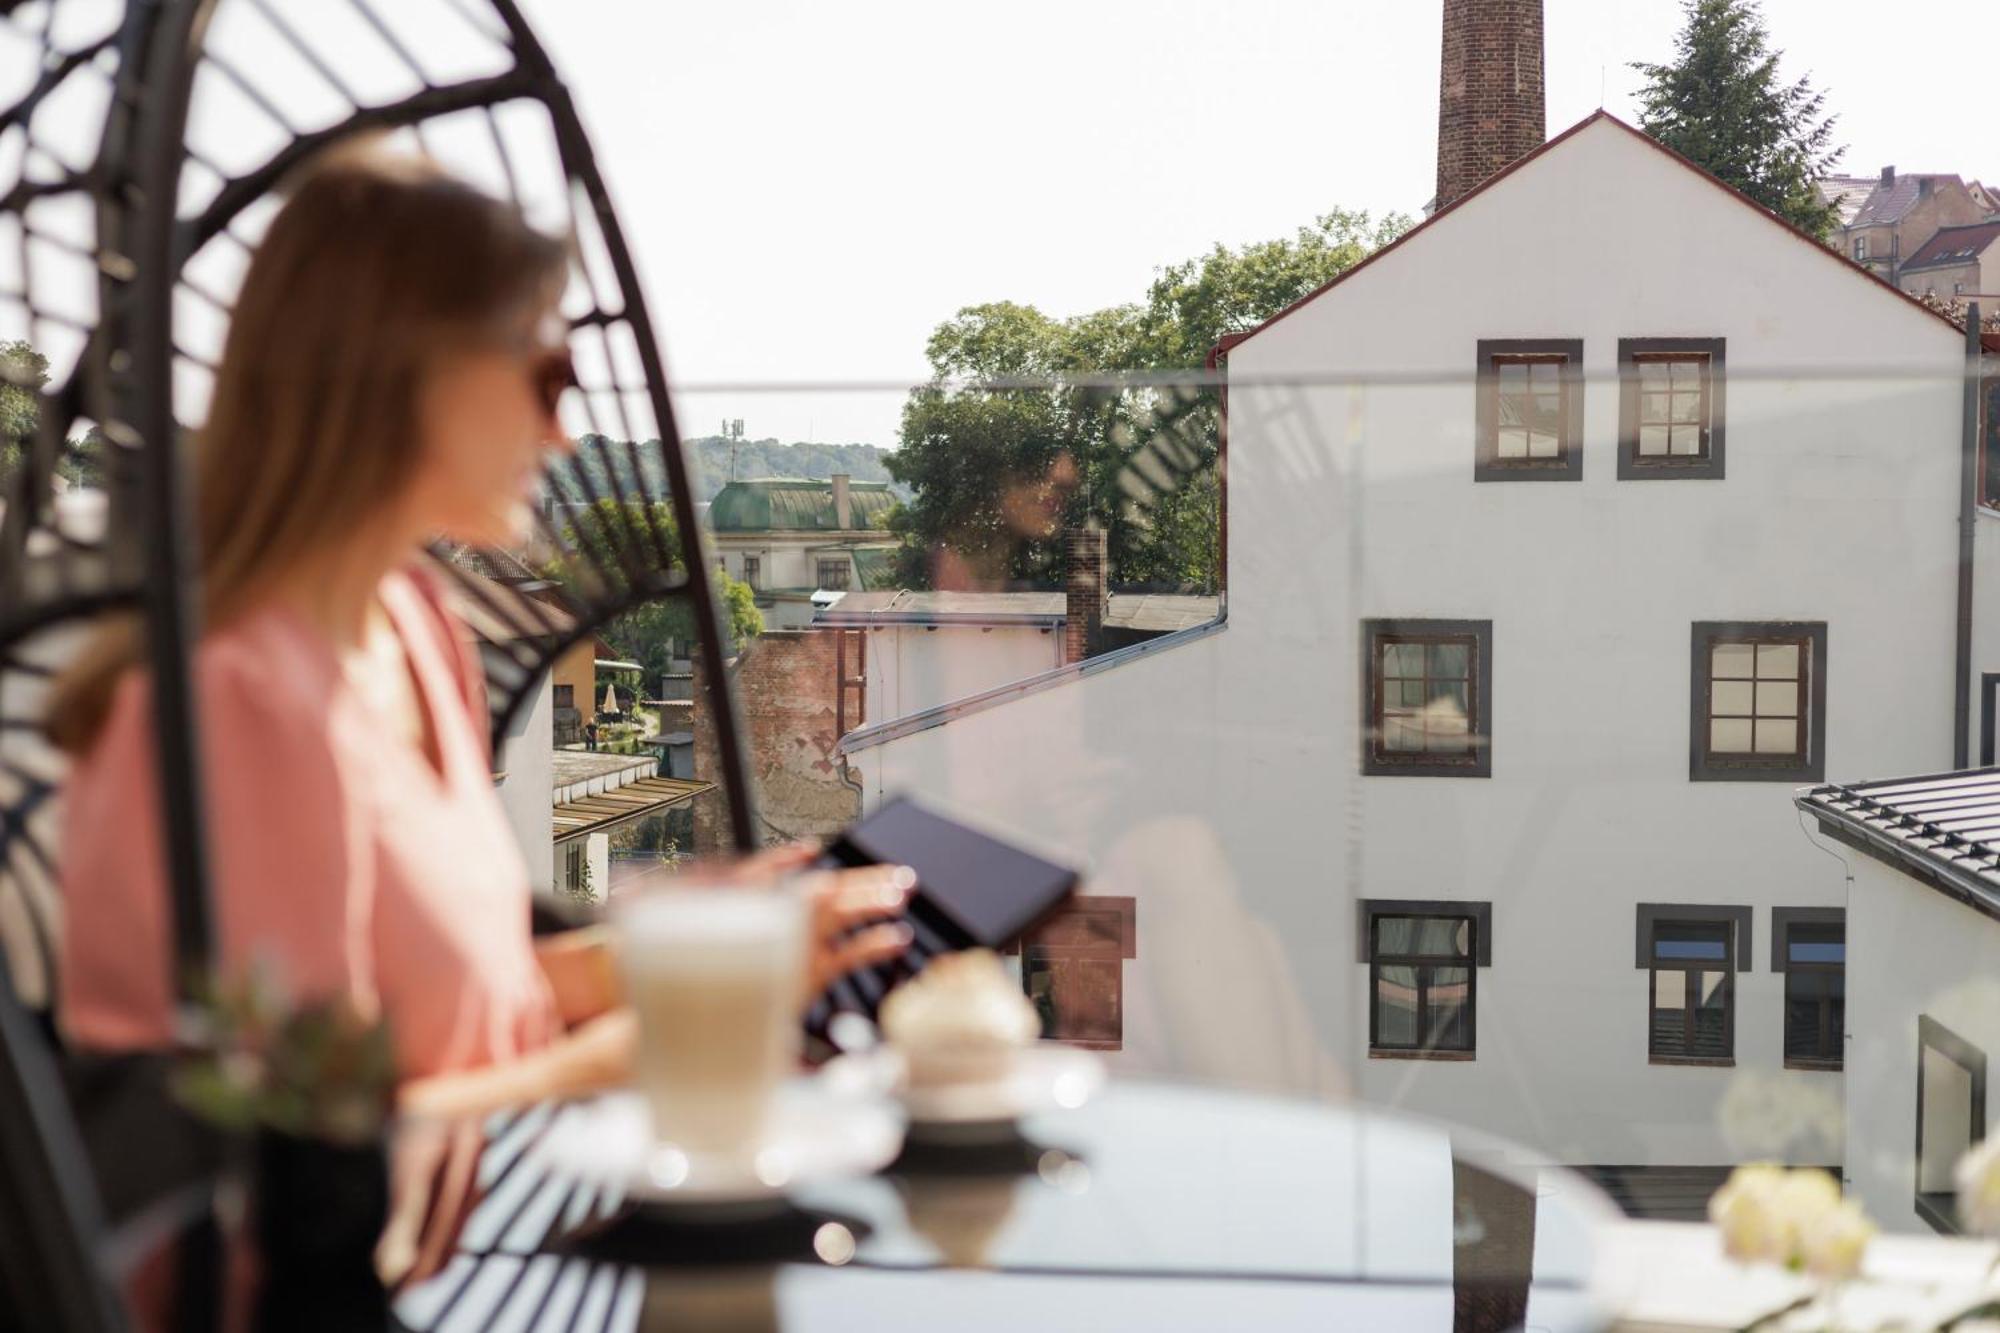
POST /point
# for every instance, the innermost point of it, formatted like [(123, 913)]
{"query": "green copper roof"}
[(794, 505), (877, 569)]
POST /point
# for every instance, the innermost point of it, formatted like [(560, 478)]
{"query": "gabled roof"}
[(1231, 340), (1890, 203), (1943, 829), (1954, 245), (1846, 194), (793, 504)]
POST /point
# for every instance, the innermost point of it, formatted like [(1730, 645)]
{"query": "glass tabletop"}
[(1156, 1205)]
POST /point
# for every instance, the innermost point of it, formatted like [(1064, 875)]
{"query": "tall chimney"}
[(1490, 104), (843, 503), (1888, 176), (1086, 593)]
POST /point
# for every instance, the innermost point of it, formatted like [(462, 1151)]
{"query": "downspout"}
[(1968, 481)]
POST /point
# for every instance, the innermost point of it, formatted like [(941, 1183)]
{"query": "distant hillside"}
[(769, 458)]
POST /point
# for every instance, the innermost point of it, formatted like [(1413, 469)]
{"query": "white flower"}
[(1832, 1243), (1978, 1180), (1746, 1211), (1795, 1219)]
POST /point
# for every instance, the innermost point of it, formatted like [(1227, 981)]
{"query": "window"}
[(1530, 411), (1426, 698), (832, 574), (565, 696), (1951, 1116), (1809, 945), (1670, 408), (1692, 1018), (573, 870), (753, 571), (1423, 960), (1073, 968), (1860, 247), (1989, 467), (1758, 711)]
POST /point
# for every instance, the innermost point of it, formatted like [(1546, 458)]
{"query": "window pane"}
[(1730, 735), (1731, 698), (1654, 375), (1542, 444), (1711, 1019), (1669, 1014), (1778, 737), (1686, 442), (1395, 1006), (1400, 733), (1655, 408), (1810, 943), (1777, 661), (1450, 1013), (1653, 441), (1513, 443), (1402, 659), (1449, 697), (1446, 730), (1513, 379), (1686, 374), (1449, 660), (1733, 660), (1433, 936), (1691, 939), (1777, 700)]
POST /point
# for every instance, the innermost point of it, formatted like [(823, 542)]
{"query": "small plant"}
[(315, 1071)]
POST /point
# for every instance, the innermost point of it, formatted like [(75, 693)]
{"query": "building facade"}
[(789, 539), (1961, 263), (1537, 613), (1900, 214)]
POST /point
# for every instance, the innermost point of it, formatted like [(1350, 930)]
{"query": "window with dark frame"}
[(1815, 965), (753, 571), (565, 696), (1073, 969), (1989, 446), (1670, 407), (1691, 1013), (1422, 979), (1951, 1117), (1426, 699), (832, 575), (1758, 705), (1529, 417), (1861, 247)]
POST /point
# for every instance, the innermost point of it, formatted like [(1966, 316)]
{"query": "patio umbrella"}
[(610, 699)]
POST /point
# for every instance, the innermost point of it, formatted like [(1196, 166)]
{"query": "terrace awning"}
[(595, 814)]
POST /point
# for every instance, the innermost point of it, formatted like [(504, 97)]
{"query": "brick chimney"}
[(1490, 104), (843, 503), (1888, 176), (1086, 594)]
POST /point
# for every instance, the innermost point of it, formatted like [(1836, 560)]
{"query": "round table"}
[(1154, 1207)]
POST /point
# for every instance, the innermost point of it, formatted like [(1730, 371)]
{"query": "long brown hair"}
[(377, 264)]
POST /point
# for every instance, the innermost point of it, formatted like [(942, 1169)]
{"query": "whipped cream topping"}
[(961, 999)]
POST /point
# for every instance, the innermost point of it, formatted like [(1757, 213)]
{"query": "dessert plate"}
[(819, 1130)]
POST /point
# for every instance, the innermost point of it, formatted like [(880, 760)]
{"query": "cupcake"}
[(963, 1019)]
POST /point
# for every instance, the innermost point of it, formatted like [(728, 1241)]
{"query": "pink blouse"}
[(340, 857)]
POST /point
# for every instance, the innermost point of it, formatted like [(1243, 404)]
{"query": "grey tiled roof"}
[(1889, 203)]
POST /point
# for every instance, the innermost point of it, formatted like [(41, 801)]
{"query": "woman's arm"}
[(580, 971)]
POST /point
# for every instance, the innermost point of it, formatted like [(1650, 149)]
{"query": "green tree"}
[(1721, 104), (1024, 430), (619, 537), (23, 373)]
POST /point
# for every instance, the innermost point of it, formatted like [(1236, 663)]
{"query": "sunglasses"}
[(551, 374)]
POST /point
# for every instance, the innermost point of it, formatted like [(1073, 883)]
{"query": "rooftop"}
[(796, 504), (1846, 194), (1953, 245), (1890, 202), (1943, 828), (1155, 612)]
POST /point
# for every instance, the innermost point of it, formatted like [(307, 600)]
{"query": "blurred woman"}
[(391, 376)]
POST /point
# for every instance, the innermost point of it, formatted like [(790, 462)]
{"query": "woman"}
[(391, 376)]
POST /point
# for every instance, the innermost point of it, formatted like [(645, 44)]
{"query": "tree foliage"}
[(616, 538), (23, 372), (1720, 103), (1026, 428)]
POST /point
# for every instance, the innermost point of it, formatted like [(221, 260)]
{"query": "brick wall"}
[(1086, 556), (784, 683), (1490, 102)]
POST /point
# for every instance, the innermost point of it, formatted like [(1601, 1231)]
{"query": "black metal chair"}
[(139, 156)]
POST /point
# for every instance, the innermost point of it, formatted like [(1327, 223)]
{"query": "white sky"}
[(812, 187)]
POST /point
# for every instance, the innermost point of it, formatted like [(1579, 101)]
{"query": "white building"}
[(1638, 509), (1923, 990), (916, 651)]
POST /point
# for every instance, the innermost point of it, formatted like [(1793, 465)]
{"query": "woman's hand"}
[(433, 1186), (840, 938)]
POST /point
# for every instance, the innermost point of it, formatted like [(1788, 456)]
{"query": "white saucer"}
[(818, 1131), (1045, 1077)]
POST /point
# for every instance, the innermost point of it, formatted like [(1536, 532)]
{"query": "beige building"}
[(789, 538), (1899, 215), (1960, 262)]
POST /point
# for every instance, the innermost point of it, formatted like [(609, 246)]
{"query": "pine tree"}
[(1721, 104)]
